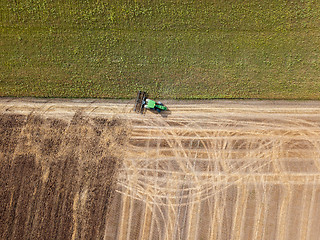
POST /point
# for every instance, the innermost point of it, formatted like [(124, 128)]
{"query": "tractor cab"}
[(150, 104), (158, 106)]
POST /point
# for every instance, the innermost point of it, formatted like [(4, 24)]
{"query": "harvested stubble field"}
[(205, 170)]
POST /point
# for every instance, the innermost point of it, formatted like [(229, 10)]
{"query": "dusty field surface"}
[(57, 177), (204, 170)]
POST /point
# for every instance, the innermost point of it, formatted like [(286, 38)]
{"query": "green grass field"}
[(176, 49)]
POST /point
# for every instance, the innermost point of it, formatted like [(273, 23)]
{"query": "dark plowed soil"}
[(57, 177)]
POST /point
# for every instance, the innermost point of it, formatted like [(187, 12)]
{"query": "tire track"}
[(258, 156)]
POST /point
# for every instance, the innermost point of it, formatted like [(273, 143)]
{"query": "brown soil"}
[(57, 177)]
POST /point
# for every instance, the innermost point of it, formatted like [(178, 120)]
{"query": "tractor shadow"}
[(163, 114)]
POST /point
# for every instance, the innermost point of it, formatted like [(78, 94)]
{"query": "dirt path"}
[(210, 169)]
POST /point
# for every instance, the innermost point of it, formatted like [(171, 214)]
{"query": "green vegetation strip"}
[(172, 49)]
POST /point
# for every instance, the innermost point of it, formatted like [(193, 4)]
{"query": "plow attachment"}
[(140, 102)]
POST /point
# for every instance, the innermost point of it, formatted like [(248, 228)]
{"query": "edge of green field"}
[(172, 49)]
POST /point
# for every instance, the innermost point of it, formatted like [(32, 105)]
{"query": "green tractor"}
[(142, 103)]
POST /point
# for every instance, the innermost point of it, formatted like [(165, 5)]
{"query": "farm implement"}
[(142, 103)]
